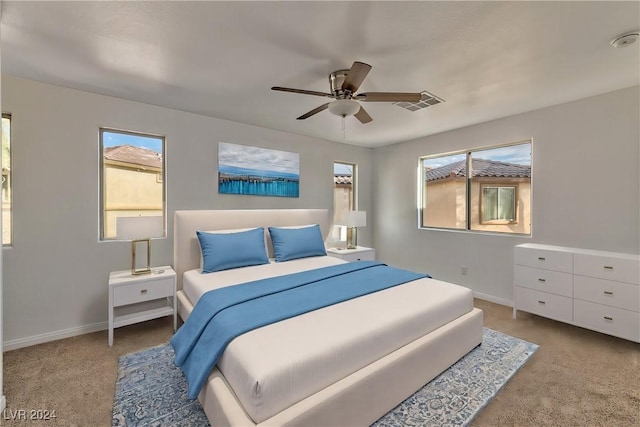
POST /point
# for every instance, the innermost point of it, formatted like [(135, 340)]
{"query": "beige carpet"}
[(576, 378)]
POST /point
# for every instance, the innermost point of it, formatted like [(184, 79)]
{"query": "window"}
[(132, 178), (344, 197), (498, 204), (6, 181), (494, 197)]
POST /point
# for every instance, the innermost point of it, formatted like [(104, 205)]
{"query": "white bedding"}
[(195, 283), (269, 374)]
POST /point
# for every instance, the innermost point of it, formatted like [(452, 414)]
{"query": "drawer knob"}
[(608, 267), (608, 318), (542, 280), (541, 302), (608, 293), (541, 258), (143, 291)]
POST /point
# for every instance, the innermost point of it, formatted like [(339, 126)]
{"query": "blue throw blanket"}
[(223, 314)]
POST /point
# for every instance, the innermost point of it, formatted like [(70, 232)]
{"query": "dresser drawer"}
[(554, 282), (541, 258), (616, 294), (609, 320), (548, 305), (610, 268), (143, 291)]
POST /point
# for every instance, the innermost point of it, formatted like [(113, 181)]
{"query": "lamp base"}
[(143, 270), (352, 238)]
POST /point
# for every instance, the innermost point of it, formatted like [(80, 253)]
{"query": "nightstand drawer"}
[(361, 256), (541, 258), (548, 305), (144, 291), (554, 282)]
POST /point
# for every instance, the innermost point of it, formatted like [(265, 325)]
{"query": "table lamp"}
[(139, 229), (352, 220)]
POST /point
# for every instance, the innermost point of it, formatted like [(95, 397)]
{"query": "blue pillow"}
[(293, 243), (232, 250)]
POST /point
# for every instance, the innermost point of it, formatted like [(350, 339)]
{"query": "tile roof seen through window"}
[(481, 168), (341, 179), (134, 155)]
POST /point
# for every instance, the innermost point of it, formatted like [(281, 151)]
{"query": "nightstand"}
[(360, 253), (127, 292)]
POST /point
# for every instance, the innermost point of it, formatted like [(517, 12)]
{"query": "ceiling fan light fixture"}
[(344, 107)]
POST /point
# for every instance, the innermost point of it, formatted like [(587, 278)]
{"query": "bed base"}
[(362, 397)]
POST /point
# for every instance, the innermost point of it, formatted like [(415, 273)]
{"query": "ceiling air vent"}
[(428, 99)]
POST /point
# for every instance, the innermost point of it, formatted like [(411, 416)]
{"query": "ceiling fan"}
[(344, 86)]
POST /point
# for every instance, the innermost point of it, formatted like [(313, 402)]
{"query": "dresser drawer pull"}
[(541, 258), (541, 302), (143, 291), (608, 293), (608, 318), (542, 280), (608, 267)]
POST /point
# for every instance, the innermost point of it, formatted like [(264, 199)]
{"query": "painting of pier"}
[(257, 171)]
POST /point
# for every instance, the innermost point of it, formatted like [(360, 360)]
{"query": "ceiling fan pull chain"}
[(343, 127)]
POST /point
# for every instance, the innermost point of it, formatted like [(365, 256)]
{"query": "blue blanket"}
[(223, 314)]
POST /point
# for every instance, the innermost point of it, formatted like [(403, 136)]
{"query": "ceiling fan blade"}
[(314, 111), (388, 97), (356, 76), (302, 91), (363, 116)]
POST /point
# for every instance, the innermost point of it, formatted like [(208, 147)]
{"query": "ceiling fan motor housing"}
[(336, 79)]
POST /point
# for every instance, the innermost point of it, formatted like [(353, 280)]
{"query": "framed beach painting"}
[(256, 171)]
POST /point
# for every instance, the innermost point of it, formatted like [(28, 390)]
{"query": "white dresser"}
[(593, 289)]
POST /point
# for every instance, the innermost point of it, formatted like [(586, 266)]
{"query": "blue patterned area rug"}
[(151, 391)]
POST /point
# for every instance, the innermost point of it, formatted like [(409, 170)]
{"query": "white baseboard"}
[(52, 336), (491, 298)]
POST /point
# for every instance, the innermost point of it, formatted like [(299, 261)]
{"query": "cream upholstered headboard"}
[(186, 250)]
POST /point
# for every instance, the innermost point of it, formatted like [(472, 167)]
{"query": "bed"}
[(299, 371)]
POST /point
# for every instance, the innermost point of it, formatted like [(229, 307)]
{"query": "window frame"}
[(498, 221), (10, 186), (101, 178), (421, 192), (340, 232)]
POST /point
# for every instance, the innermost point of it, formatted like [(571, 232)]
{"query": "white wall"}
[(585, 191), (55, 275)]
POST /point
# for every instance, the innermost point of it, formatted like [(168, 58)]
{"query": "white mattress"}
[(275, 366), (194, 283)]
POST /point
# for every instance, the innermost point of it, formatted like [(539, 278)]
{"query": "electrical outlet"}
[(463, 270)]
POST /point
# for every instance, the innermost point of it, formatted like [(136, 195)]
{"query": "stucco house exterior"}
[(500, 197), (133, 178)]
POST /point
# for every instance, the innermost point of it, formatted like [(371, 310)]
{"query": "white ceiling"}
[(485, 59)]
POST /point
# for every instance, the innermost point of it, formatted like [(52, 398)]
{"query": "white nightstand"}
[(360, 253), (126, 290)]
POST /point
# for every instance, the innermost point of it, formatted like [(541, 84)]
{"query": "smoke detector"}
[(626, 39)]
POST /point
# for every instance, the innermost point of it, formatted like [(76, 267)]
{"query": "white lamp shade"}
[(139, 227), (355, 219)]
